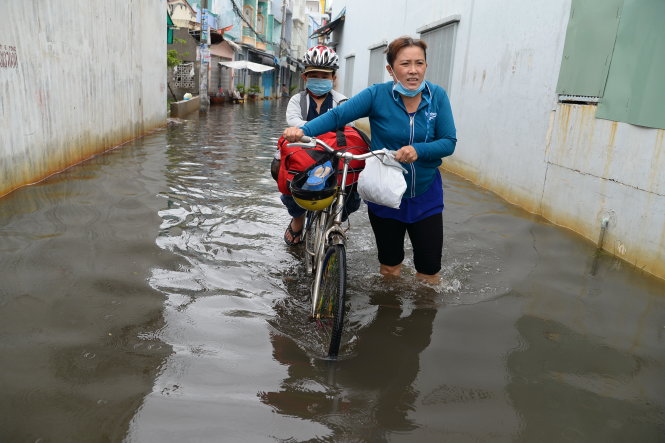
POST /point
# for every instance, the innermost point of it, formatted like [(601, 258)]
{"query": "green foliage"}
[(254, 90), (173, 57), (241, 88)]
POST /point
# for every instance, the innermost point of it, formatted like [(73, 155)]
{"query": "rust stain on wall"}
[(657, 165), (505, 192), (611, 144), (84, 149), (641, 258), (564, 123)]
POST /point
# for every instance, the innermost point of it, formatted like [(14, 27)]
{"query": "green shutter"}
[(169, 29), (588, 47), (635, 91)]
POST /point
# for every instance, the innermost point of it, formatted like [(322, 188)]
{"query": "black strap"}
[(341, 138)]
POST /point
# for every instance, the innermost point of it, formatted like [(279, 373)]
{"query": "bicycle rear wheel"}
[(332, 293)]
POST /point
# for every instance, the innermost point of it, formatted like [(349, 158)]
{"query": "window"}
[(260, 24), (440, 38), (377, 64), (348, 75), (248, 13), (614, 55), (588, 49)]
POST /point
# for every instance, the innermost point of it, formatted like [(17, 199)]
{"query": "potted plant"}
[(253, 92)]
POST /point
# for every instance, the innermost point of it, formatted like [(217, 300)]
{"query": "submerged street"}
[(147, 295)]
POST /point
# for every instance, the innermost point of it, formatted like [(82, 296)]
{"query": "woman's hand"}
[(406, 154), (293, 134)]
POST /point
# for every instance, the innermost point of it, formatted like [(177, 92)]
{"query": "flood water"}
[(147, 296)]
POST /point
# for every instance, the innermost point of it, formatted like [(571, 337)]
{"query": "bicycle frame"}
[(331, 231)]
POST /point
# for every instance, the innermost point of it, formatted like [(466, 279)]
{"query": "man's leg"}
[(293, 234)]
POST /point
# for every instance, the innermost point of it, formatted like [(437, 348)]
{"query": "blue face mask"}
[(319, 86), (399, 87)]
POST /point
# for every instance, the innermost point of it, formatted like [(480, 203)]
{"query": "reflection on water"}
[(147, 296), (368, 396), (77, 321), (569, 387)]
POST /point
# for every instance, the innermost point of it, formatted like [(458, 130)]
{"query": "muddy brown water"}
[(146, 296)]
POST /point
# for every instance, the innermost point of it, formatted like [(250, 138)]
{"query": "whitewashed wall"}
[(514, 138), (89, 76), (299, 35)]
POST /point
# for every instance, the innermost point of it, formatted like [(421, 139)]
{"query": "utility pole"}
[(204, 54), (279, 56)]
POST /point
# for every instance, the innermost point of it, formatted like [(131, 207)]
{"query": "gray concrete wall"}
[(87, 76), (187, 53), (182, 108)]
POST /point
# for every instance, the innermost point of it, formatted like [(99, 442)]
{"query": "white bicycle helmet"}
[(320, 58)]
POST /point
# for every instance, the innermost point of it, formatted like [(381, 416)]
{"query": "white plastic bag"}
[(382, 181)]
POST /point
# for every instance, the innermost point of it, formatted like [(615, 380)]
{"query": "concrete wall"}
[(186, 46), (515, 139), (183, 108), (89, 76)]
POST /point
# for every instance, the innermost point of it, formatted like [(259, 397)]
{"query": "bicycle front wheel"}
[(332, 293)]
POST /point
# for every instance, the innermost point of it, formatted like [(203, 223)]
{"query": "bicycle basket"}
[(313, 200)]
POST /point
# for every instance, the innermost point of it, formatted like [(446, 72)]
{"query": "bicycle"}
[(325, 252)]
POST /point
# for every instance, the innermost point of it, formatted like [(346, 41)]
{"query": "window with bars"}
[(440, 38), (377, 64), (183, 76)]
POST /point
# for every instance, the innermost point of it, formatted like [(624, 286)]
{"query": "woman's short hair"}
[(400, 43)]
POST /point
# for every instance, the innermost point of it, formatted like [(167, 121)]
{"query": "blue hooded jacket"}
[(431, 131)]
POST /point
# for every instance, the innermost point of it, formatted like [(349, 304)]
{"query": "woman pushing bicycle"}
[(412, 117)]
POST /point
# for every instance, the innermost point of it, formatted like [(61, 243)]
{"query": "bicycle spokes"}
[(329, 305)]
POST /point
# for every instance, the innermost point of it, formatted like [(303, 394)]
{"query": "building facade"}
[(551, 114), (74, 93)]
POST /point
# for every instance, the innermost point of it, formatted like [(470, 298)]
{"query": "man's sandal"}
[(294, 235)]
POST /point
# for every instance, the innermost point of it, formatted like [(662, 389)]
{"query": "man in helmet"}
[(321, 63)]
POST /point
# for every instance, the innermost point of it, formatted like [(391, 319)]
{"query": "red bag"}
[(297, 159)]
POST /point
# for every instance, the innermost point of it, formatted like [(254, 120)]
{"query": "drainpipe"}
[(603, 228), (596, 256)]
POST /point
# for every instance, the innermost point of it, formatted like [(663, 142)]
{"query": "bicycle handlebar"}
[(311, 142)]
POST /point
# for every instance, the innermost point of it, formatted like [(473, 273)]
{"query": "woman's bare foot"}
[(390, 271), (432, 279)]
